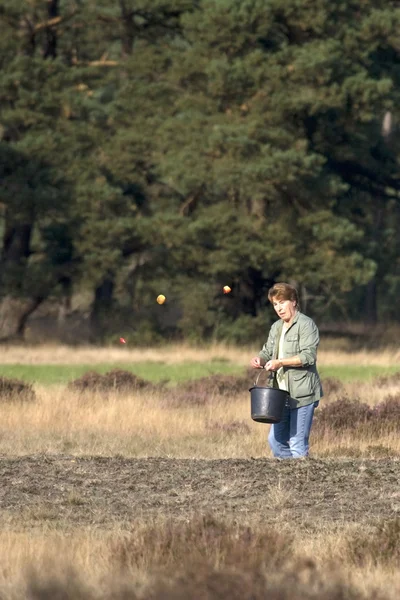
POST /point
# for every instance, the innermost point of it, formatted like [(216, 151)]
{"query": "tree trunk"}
[(15, 307), (102, 308), (371, 303), (15, 252), (303, 298), (50, 48), (64, 308), (128, 29), (16, 243), (14, 313), (28, 34)]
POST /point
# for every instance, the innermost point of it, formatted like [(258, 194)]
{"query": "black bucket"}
[(267, 403)]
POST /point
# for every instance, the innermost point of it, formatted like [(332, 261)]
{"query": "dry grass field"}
[(176, 353), (172, 493)]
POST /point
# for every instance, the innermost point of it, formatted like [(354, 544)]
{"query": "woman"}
[(291, 353)]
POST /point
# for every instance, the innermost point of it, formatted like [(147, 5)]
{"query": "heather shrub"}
[(299, 581), (393, 379), (65, 586), (203, 540), (388, 412), (199, 392), (289, 584), (331, 386), (380, 546), (221, 385), (125, 381), (345, 413), (116, 380), (16, 390)]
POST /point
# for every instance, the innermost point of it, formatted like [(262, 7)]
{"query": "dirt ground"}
[(69, 491)]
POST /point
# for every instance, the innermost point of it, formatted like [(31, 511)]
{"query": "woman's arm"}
[(267, 350), (275, 364), (265, 354), (308, 341)]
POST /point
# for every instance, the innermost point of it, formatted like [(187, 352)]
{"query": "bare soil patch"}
[(71, 491)]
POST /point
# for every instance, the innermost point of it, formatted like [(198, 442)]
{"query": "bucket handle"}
[(270, 375)]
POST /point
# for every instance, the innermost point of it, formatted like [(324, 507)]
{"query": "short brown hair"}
[(284, 291)]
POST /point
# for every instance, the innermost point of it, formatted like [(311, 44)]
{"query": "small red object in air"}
[(122, 340)]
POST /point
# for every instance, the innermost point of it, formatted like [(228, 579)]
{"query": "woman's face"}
[(286, 309)]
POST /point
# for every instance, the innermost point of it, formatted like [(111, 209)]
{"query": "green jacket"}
[(301, 339)]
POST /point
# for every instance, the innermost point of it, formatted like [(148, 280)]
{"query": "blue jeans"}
[(289, 437)]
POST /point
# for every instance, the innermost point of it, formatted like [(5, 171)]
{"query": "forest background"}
[(174, 147)]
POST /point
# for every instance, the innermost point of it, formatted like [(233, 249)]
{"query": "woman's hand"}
[(256, 363), (273, 365)]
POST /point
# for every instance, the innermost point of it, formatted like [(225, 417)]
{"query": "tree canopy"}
[(150, 146)]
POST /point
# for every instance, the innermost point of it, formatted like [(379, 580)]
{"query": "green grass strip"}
[(347, 373), (53, 374), (174, 373)]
